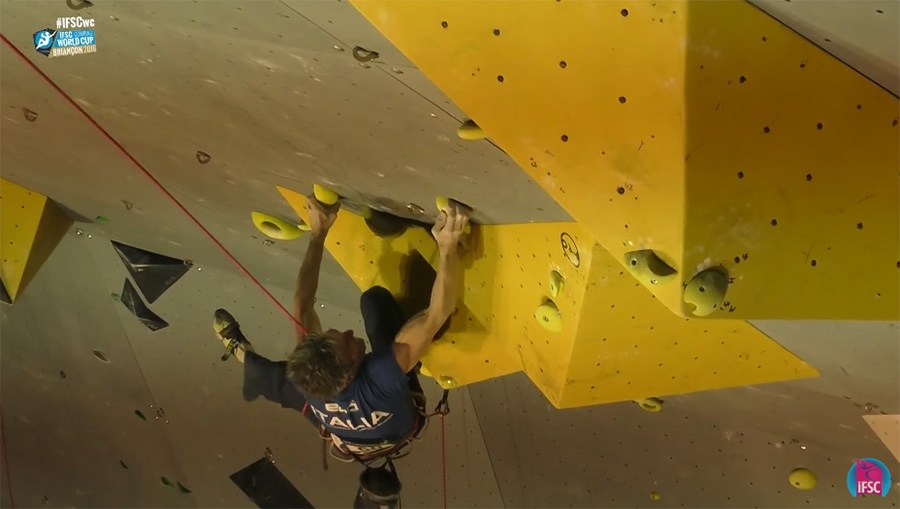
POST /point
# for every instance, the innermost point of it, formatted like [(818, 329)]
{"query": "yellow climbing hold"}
[(424, 372), (648, 268), (443, 204), (556, 283), (447, 382), (802, 479), (549, 317), (274, 227), (706, 291), (650, 404), (469, 130), (324, 195), (655, 495)]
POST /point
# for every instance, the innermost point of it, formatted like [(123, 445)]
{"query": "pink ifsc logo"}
[(869, 476)]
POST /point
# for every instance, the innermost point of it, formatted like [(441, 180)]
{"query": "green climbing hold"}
[(101, 219), (140, 415), (116, 297)]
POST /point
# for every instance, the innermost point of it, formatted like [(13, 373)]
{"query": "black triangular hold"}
[(4, 295), (133, 302), (267, 487), (153, 273)]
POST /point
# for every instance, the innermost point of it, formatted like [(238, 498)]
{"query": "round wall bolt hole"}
[(740, 174), (774, 222), (564, 138), (742, 79), (496, 31), (808, 177), (444, 24), (766, 130), (622, 99), (624, 13), (813, 263), (701, 289), (819, 126), (620, 190), (859, 226), (500, 78), (563, 64)]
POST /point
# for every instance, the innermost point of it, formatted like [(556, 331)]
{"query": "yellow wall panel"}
[(612, 330), (31, 226), (705, 131)]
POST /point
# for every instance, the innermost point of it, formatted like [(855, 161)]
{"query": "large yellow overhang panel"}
[(549, 300), (31, 226), (704, 131)]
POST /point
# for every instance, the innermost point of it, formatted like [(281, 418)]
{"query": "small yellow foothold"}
[(647, 267), (650, 404), (324, 195), (447, 382), (557, 282), (274, 227), (655, 495), (802, 479), (469, 130), (549, 317), (443, 203), (706, 291), (424, 372)]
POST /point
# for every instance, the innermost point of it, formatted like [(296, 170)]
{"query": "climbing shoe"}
[(229, 332)]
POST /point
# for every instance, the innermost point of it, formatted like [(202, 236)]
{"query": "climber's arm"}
[(320, 221)]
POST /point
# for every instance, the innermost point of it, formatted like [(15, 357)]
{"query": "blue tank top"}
[(375, 408)]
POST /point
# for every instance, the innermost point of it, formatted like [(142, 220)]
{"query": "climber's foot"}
[(229, 333)]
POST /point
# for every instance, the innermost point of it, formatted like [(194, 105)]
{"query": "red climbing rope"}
[(444, 461), (152, 179)]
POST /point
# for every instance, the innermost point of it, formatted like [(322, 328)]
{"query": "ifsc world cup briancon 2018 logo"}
[(869, 476)]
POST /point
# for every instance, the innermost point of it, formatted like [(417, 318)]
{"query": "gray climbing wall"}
[(727, 448), (72, 438)]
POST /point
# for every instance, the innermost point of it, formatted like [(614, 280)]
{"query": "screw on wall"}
[(161, 414), (270, 455), (79, 231), (30, 115)]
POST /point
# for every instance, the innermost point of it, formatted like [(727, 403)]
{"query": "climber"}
[(367, 403)]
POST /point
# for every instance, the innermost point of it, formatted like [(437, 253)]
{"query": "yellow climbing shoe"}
[(229, 333)]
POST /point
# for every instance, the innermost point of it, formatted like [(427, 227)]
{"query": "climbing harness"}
[(337, 448)]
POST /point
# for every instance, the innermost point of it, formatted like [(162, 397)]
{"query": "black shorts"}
[(383, 319)]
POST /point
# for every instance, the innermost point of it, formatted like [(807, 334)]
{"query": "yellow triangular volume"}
[(31, 226)]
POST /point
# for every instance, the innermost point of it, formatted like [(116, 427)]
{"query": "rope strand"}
[(152, 179)]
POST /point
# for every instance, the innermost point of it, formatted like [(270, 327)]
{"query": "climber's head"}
[(323, 364)]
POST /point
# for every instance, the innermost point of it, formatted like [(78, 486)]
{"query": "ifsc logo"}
[(869, 476), (43, 41)]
